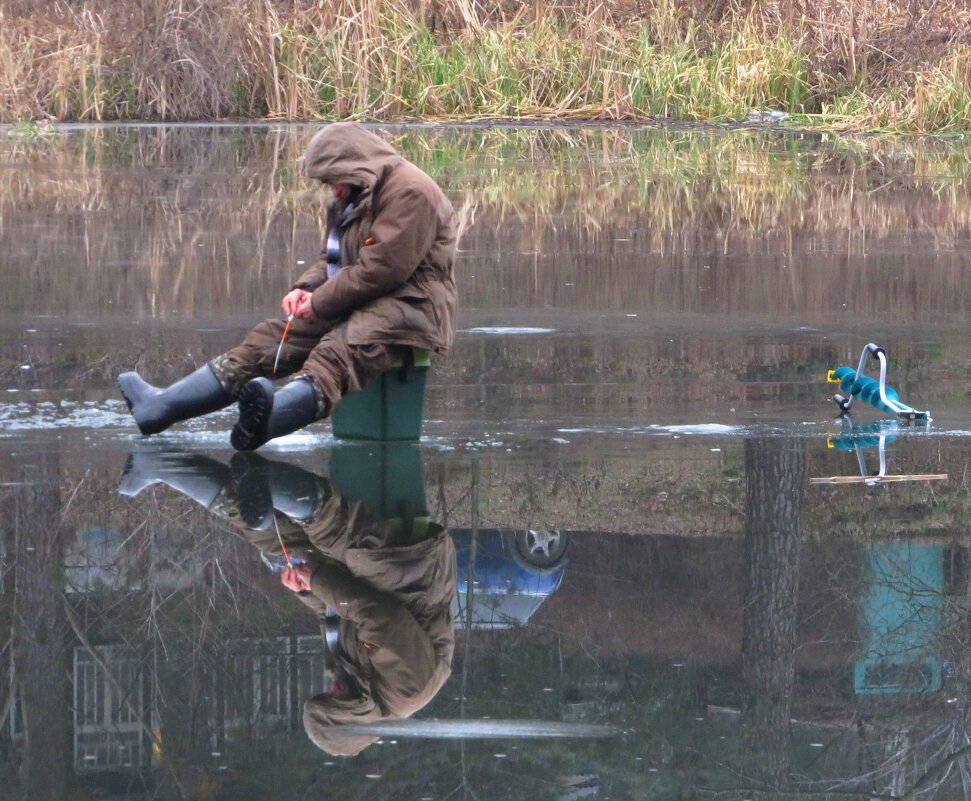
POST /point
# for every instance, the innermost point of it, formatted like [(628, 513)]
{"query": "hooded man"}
[(383, 283)]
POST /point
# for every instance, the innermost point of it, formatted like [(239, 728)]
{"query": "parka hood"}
[(325, 717), (344, 152)]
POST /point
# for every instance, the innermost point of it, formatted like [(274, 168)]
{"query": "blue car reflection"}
[(505, 575)]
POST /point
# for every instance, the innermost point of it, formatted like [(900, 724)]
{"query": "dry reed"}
[(847, 63)]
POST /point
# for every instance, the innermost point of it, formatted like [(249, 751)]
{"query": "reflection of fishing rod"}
[(286, 554)]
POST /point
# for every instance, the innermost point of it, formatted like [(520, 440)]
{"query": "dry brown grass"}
[(875, 63)]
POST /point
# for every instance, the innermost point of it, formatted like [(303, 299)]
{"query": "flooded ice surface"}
[(27, 416), (111, 426), (109, 420), (632, 446)]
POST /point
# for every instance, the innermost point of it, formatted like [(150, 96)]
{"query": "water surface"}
[(655, 596)]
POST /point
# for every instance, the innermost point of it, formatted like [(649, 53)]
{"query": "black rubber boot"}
[(155, 409), (195, 476), (264, 485), (265, 414)]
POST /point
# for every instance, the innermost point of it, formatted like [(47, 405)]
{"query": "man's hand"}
[(297, 578), (305, 311), (294, 301)]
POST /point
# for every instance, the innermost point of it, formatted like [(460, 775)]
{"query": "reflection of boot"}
[(252, 490), (265, 415), (155, 409), (197, 477), (264, 485)]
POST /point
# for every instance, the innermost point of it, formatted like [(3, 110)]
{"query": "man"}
[(383, 283)]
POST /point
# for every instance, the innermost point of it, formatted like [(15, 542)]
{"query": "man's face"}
[(341, 191), (340, 689)]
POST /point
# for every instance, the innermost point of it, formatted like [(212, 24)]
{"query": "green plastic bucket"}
[(391, 408)]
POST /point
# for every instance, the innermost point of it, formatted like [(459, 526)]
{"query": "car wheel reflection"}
[(537, 549), (506, 573)]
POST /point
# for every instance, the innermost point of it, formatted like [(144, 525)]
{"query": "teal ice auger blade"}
[(877, 434), (854, 383)]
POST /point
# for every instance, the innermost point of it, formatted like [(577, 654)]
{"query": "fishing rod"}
[(286, 553), (283, 339)]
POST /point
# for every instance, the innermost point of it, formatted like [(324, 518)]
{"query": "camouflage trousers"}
[(314, 350)]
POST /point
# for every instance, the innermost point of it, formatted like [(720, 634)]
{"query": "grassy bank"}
[(876, 64)]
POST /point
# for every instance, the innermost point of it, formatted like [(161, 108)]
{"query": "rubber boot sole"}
[(255, 497), (255, 407)]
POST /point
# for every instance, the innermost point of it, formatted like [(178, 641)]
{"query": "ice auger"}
[(876, 393)]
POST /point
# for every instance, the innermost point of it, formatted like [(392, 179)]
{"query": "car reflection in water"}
[(512, 572)]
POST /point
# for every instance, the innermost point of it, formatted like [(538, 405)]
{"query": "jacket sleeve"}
[(314, 275), (401, 235), (399, 647), (312, 602)]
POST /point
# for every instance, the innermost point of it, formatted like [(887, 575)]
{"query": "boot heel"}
[(265, 415), (255, 408)]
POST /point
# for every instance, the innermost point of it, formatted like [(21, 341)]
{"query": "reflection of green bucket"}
[(388, 477), (897, 676), (389, 408)]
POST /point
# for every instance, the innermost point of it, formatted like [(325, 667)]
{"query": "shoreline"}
[(40, 129)]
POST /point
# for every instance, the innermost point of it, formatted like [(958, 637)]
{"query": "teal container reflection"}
[(902, 614)]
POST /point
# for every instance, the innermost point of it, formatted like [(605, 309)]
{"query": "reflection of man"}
[(381, 588), (391, 583)]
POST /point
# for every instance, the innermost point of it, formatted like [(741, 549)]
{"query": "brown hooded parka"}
[(396, 287)]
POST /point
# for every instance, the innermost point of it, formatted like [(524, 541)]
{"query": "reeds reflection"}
[(167, 223)]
